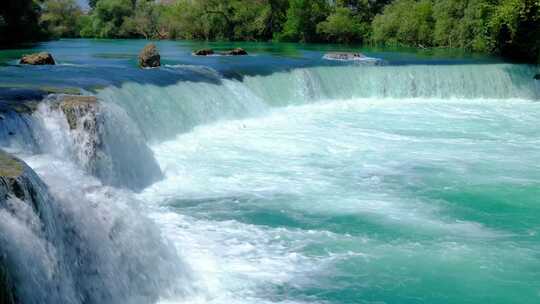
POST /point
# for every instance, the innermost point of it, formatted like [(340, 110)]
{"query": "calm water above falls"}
[(288, 178)]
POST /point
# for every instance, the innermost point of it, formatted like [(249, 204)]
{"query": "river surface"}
[(293, 179)]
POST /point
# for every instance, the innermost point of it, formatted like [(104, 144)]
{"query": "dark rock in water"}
[(42, 58), (346, 56), (237, 52), (149, 57), (203, 52), (537, 76)]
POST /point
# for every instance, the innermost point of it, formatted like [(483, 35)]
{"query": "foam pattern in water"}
[(352, 201)]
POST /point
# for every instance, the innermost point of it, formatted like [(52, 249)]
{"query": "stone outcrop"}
[(42, 58), (537, 77), (106, 144), (149, 57), (19, 186), (237, 52), (203, 52), (81, 114), (11, 185), (17, 180), (76, 106), (345, 56)]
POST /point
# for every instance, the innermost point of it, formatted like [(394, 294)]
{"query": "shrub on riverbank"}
[(507, 27)]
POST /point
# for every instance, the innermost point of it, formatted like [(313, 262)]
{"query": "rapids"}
[(284, 178)]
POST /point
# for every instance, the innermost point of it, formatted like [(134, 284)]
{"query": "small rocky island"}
[(42, 58), (149, 57), (208, 52)]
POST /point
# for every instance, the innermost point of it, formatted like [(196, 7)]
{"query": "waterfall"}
[(162, 112), (77, 233), (101, 138), (69, 249)]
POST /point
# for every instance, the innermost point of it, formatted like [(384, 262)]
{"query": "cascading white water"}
[(310, 185), (85, 243), (162, 112)]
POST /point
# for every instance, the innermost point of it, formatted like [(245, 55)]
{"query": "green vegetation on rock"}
[(10, 167)]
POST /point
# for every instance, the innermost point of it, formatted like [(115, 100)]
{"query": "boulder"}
[(149, 56), (16, 184), (203, 52), (10, 168), (537, 76), (345, 56), (42, 58), (106, 144), (237, 52), (76, 107)]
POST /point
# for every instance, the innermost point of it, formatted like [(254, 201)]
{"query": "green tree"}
[(405, 22), (92, 3), (515, 29), (61, 18), (146, 21), (19, 21), (302, 19), (107, 19), (343, 26)]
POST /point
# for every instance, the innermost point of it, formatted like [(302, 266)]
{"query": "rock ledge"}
[(42, 58)]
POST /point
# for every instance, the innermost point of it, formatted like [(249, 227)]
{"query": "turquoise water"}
[(291, 179)]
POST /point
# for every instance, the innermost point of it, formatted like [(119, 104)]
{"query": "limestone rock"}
[(237, 52), (42, 58), (203, 52), (76, 106), (149, 57)]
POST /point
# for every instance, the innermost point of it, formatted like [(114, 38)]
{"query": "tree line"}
[(510, 28)]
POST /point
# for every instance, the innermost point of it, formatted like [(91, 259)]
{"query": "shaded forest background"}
[(510, 28)]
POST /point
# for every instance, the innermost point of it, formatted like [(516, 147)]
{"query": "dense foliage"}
[(19, 21), (507, 27)]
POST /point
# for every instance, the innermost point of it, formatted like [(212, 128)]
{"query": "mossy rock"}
[(10, 167)]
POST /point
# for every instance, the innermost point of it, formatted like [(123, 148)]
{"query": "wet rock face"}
[(75, 106), (203, 52), (82, 115), (237, 52), (17, 187), (106, 145), (42, 58), (11, 171), (149, 57), (16, 181)]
